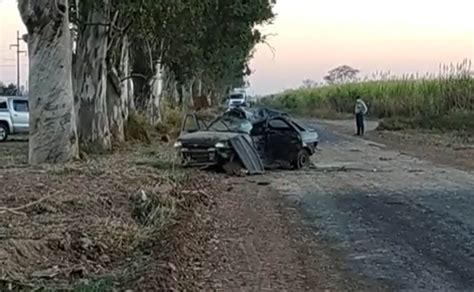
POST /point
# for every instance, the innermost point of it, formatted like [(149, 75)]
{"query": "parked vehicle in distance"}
[(237, 98), (14, 116), (256, 138)]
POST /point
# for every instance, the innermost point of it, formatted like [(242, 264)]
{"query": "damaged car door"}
[(259, 137), (283, 141), (191, 124)]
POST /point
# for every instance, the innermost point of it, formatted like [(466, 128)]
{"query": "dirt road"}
[(402, 221)]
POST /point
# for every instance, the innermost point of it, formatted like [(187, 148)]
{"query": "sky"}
[(310, 37), (10, 22)]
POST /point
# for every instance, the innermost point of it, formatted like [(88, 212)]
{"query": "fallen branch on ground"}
[(466, 147), (17, 210)]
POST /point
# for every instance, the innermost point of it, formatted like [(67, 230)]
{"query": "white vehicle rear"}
[(14, 116)]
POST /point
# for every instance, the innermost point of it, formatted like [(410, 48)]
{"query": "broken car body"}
[(255, 138)]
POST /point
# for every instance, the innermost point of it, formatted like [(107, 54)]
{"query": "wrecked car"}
[(254, 139)]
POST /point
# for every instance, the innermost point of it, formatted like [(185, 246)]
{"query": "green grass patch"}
[(99, 285), (459, 121)]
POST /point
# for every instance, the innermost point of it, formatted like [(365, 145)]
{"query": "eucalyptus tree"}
[(53, 137), (90, 74)]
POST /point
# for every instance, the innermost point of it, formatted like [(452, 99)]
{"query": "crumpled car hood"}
[(205, 138), (310, 136)]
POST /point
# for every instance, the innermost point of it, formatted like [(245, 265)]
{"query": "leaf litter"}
[(104, 217)]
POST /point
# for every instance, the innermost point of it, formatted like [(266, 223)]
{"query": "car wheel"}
[(303, 159), (3, 133)]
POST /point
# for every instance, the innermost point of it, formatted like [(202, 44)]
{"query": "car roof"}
[(5, 98)]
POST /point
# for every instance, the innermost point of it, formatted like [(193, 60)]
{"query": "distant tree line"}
[(339, 75), (8, 90)]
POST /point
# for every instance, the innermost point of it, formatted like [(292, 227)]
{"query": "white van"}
[(237, 99)]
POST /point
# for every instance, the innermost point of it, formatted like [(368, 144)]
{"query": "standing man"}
[(360, 111)]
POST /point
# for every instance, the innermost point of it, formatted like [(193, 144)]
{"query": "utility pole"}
[(18, 53)]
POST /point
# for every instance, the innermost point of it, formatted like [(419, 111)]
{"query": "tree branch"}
[(271, 48), (17, 210), (98, 23), (135, 75)]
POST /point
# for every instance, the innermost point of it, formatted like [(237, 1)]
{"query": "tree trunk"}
[(120, 94), (91, 78), (170, 88), (53, 137), (199, 87), (154, 103), (126, 86), (186, 92), (190, 94), (115, 107)]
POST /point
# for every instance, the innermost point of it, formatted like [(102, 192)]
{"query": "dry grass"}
[(87, 220), (137, 129), (170, 124)]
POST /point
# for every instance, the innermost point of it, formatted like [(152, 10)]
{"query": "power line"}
[(18, 53)]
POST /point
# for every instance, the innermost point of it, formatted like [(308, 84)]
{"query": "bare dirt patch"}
[(451, 149), (249, 239)]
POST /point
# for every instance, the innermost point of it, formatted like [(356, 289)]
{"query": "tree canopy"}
[(211, 40), (341, 74)]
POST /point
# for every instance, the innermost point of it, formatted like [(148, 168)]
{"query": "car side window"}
[(20, 106), (279, 124), (3, 106)]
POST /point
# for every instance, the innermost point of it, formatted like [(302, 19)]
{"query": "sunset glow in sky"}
[(314, 36)]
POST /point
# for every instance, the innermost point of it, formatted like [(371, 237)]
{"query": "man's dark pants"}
[(360, 124)]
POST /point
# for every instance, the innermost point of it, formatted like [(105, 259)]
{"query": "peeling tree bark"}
[(126, 86), (170, 88), (154, 102), (91, 78), (120, 101), (53, 137), (115, 108), (187, 92)]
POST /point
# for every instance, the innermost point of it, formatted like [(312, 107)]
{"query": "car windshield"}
[(231, 124), (298, 126), (237, 96)]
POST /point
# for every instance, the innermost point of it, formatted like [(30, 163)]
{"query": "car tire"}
[(3, 132), (303, 159)]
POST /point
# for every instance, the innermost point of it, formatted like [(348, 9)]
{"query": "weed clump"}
[(170, 124), (137, 129)]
